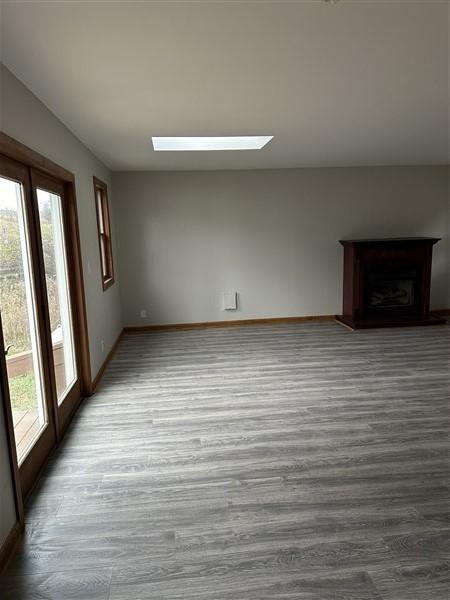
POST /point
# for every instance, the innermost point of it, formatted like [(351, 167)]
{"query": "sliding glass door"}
[(36, 309), (18, 305), (24, 334)]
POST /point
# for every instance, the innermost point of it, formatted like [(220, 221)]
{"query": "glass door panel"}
[(19, 320), (56, 277)]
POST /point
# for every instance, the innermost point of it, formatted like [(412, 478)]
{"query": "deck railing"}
[(22, 364)]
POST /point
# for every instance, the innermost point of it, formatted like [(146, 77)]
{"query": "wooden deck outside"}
[(26, 426), (26, 422)]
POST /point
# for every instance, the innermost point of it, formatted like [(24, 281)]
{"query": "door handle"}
[(8, 348)]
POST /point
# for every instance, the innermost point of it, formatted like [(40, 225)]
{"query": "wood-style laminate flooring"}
[(301, 461)]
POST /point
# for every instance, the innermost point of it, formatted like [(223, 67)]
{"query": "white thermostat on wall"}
[(229, 300)]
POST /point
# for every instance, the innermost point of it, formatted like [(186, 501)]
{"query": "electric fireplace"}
[(387, 282)]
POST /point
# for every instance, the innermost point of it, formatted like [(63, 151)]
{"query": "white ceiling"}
[(359, 82)]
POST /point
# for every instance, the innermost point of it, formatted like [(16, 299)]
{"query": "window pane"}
[(101, 223), (103, 255), (55, 262), (19, 320)]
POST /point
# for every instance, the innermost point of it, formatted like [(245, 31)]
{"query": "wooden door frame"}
[(31, 159)]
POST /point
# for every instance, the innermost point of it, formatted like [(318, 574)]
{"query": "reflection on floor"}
[(295, 462)]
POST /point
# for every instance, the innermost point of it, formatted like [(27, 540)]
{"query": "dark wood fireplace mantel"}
[(387, 282)]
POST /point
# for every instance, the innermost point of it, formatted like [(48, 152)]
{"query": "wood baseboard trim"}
[(105, 363), (9, 545), (234, 323)]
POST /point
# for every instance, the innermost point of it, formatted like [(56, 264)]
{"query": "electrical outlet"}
[(102, 345), (143, 313)]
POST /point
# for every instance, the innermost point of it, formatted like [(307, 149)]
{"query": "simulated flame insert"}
[(391, 291)]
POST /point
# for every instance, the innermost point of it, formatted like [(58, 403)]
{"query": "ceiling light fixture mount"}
[(210, 143)]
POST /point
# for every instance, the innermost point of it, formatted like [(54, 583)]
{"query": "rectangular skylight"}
[(192, 144)]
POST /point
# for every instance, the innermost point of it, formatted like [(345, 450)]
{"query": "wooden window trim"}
[(104, 233)]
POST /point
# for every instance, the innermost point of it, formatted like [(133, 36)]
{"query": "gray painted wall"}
[(25, 118), (186, 237)]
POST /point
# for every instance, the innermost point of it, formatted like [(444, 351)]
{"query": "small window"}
[(104, 232)]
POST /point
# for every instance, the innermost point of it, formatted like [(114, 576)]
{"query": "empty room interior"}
[(224, 300)]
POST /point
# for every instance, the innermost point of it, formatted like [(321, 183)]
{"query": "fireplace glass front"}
[(384, 291)]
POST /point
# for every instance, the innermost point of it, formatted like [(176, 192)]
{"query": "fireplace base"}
[(386, 322)]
